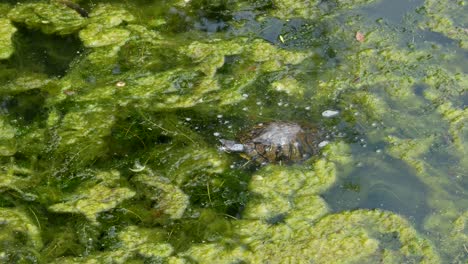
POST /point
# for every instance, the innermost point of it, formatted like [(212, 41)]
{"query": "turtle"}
[(276, 142)]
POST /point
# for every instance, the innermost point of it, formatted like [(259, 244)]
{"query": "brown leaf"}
[(360, 37)]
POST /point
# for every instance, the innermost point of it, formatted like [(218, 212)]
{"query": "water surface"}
[(110, 127)]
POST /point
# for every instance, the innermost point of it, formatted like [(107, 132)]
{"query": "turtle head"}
[(231, 146)]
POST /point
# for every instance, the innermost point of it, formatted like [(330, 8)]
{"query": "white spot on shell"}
[(237, 147)]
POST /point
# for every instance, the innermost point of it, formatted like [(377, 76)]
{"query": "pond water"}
[(112, 112)]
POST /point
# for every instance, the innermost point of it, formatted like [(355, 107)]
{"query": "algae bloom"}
[(111, 114)]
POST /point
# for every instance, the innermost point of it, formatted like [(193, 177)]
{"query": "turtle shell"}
[(280, 142)]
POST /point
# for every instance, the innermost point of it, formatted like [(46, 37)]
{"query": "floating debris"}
[(330, 113), (137, 167), (360, 37), (75, 7)]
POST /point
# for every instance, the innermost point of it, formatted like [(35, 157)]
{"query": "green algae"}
[(309, 9), (447, 19), (6, 44), (102, 28), (169, 199), (21, 238), (115, 160), (95, 35), (8, 144), (267, 229), (273, 189), (93, 201), (19, 180), (336, 237), (50, 18), (136, 244)]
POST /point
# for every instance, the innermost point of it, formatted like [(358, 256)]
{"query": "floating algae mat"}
[(112, 115)]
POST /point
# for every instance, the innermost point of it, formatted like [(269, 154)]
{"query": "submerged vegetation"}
[(111, 114)]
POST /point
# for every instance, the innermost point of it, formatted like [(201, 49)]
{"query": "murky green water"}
[(111, 114)]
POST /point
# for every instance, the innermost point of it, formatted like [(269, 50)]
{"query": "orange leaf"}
[(360, 37)]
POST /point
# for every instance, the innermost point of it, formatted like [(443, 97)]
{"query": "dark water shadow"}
[(41, 53), (391, 10), (380, 182)]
